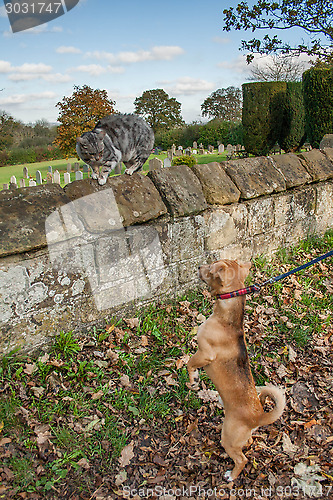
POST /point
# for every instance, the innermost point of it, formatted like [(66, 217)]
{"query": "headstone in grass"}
[(85, 168), (179, 152), (32, 183), (211, 149), (201, 151), (167, 163), (5, 187), (221, 148), (13, 180), (155, 163), (49, 169), (170, 154), (76, 166), (194, 151), (25, 173), (195, 145), (230, 149), (69, 167), (201, 146), (78, 175), (67, 177), (56, 177), (39, 178), (49, 178), (173, 148), (22, 183), (187, 152)]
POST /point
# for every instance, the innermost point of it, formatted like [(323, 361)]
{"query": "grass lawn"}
[(61, 166), (110, 412)]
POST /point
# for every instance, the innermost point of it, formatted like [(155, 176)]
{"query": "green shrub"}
[(190, 161), (263, 104), (293, 126), (318, 101)]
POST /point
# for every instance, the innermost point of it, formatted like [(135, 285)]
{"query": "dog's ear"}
[(244, 268), (218, 268)]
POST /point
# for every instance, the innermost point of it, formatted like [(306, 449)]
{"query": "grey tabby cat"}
[(115, 138)]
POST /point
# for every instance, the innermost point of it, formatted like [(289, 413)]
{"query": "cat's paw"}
[(228, 475), (102, 181)]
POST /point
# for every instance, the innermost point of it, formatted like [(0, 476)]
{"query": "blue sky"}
[(124, 47)]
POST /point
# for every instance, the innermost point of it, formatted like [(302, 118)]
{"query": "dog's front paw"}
[(228, 475)]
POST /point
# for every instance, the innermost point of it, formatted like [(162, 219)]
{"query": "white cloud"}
[(221, 40), (23, 98), (158, 53), (238, 65), (187, 85), (92, 69), (68, 50), (32, 71), (3, 12), (5, 67)]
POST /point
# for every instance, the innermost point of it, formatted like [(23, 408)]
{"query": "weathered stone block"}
[(329, 153), (326, 142), (136, 200), (255, 176), (180, 190), (220, 230), (187, 236), (318, 165), (324, 207), (260, 216), (292, 170), (23, 214), (218, 188)]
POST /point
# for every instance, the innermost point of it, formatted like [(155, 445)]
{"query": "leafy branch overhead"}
[(315, 17)]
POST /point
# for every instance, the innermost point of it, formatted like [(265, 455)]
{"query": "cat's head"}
[(90, 148)]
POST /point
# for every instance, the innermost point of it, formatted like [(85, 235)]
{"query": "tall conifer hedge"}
[(318, 99)]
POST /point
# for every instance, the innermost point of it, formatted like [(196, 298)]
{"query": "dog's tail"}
[(277, 395)]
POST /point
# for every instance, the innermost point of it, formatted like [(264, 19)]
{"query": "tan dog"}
[(222, 352)]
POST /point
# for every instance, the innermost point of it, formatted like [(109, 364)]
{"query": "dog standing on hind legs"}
[(222, 353)]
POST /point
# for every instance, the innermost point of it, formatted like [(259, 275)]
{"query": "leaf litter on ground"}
[(110, 413)]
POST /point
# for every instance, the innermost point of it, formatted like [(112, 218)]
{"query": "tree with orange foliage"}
[(79, 113)]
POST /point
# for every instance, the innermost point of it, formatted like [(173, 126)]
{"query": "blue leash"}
[(257, 287)]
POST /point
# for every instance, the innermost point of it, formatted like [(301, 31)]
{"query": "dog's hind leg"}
[(233, 440)]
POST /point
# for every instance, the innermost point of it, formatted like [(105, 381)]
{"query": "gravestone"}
[(211, 149), (39, 179), (67, 177), (78, 175), (85, 168), (49, 169), (201, 146), (173, 148), (230, 149), (179, 152), (49, 178), (5, 186), (76, 166), (69, 167), (155, 163), (56, 177), (32, 183), (22, 183), (201, 151), (167, 163), (25, 173), (170, 154), (180, 148), (194, 152), (13, 180), (221, 148), (187, 152), (195, 145)]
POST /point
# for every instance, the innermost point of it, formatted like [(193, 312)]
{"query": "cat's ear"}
[(80, 140)]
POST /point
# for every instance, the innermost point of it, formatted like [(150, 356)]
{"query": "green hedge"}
[(190, 161), (293, 134), (18, 156), (263, 103), (318, 100)]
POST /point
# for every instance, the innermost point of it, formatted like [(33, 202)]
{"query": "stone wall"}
[(72, 257)]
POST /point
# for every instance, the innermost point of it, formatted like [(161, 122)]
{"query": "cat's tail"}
[(278, 396)]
